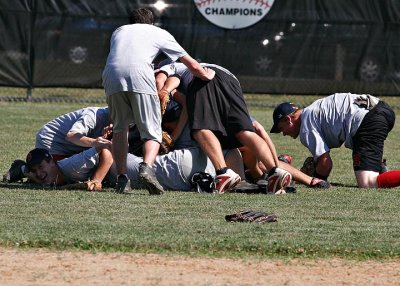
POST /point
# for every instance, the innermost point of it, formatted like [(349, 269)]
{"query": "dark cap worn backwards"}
[(280, 112), (172, 112), (36, 156)]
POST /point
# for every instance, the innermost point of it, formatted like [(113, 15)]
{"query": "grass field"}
[(342, 222)]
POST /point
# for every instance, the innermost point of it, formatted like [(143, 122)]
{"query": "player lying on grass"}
[(218, 119), (174, 170), (360, 121), (69, 134), (91, 166)]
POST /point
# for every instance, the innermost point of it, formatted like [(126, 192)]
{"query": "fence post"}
[(29, 94)]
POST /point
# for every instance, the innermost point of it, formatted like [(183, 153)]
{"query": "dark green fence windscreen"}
[(299, 47)]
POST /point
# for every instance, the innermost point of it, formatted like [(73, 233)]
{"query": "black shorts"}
[(370, 137), (218, 105)]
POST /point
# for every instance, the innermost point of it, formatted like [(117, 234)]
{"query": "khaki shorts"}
[(140, 109)]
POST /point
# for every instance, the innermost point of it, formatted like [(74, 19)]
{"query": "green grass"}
[(342, 222)]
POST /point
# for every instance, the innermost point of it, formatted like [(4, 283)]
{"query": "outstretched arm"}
[(105, 163), (196, 69), (84, 141), (183, 117)]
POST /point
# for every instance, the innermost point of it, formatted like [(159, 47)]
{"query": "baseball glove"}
[(89, 185), (285, 158), (164, 99), (15, 173), (251, 216), (308, 167), (166, 144)]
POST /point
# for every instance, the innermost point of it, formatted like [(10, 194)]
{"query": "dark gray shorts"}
[(369, 139), (218, 105)]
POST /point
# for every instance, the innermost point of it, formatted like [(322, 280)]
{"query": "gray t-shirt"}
[(331, 121), (173, 170), (79, 167), (129, 64), (88, 121)]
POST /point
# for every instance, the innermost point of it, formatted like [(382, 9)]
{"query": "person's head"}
[(41, 164), (286, 118), (141, 16)]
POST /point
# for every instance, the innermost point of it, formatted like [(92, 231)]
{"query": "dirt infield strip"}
[(43, 267)]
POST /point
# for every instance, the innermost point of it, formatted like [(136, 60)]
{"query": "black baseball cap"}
[(36, 156), (280, 112), (172, 112)]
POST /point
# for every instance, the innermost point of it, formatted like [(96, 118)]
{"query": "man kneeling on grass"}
[(361, 121)]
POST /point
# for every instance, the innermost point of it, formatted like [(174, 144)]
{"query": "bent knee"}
[(366, 179)]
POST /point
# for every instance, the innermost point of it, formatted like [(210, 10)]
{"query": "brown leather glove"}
[(166, 144), (308, 167), (164, 99)]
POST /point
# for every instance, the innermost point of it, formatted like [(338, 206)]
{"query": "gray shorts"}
[(194, 160), (175, 169), (128, 108)]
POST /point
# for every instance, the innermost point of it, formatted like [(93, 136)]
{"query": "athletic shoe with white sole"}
[(278, 179), (225, 182), (148, 179)]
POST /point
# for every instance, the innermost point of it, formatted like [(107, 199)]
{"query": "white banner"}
[(234, 14)]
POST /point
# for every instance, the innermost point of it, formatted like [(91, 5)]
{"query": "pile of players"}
[(217, 146)]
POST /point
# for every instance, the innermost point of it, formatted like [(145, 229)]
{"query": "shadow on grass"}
[(343, 185), (32, 186)]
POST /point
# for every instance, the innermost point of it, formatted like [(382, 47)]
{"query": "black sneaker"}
[(384, 167), (148, 179), (319, 184), (15, 172), (246, 187), (122, 184)]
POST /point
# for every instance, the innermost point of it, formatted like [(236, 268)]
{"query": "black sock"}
[(271, 172), (221, 171)]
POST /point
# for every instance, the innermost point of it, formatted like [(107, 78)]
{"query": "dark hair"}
[(141, 16)]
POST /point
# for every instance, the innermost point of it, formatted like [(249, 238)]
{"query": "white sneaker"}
[(278, 181), (226, 181)]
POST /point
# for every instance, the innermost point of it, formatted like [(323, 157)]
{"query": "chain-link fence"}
[(299, 47)]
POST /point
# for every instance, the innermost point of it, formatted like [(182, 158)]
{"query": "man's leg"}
[(235, 162), (368, 144), (366, 179), (147, 113), (258, 146), (211, 147), (277, 178), (389, 179), (150, 151), (120, 113), (120, 151), (251, 163), (371, 179)]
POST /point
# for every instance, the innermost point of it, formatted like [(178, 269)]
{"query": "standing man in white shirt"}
[(130, 87)]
